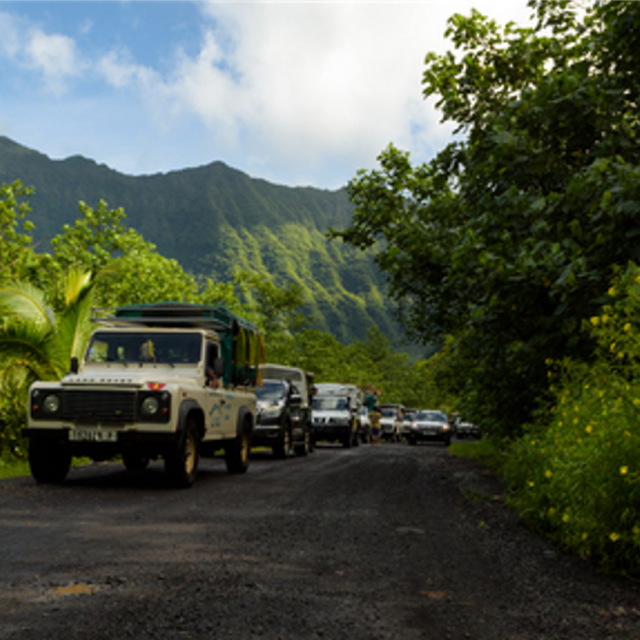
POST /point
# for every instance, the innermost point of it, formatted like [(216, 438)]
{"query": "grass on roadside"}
[(488, 451), (13, 468)]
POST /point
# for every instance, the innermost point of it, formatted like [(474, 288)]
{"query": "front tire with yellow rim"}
[(181, 462), (236, 453)]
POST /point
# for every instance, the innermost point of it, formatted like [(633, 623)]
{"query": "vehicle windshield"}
[(133, 347), (431, 416), (389, 413), (329, 404), (409, 416), (270, 391)]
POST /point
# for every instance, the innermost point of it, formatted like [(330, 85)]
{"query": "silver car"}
[(430, 425)]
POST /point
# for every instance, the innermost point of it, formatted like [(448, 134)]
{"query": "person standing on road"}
[(376, 426)]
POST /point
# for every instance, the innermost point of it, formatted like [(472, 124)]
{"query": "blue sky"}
[(295, 93)]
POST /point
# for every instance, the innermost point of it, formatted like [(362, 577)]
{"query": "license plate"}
[(93, 435)]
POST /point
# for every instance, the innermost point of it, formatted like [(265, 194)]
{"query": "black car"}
[(468, 430), (282, 419)]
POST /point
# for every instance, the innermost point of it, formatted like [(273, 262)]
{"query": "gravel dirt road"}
[(362, 544)]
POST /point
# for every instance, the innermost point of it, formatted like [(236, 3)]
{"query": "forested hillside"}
[(215, 220)]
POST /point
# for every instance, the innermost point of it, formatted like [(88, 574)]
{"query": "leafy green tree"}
[(16, 254), (508, 238), (128, 268)]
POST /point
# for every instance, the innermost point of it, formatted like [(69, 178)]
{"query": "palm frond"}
[(29, 346), (77, 283), (23, 300), (74, 328)]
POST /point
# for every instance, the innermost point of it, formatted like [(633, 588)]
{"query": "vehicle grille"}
[(329, 421), (99, 406)]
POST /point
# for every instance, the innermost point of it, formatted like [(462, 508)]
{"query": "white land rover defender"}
[(167, 380)]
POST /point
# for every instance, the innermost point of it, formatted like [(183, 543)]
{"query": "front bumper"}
[(150, 442), (429, 434), (468, 433), (266, 435), (330, 431)]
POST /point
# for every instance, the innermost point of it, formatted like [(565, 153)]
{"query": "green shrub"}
[(13, 403), (576, 473)]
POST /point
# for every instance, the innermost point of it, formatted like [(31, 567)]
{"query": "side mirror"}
[(74, 365), (218, 367)]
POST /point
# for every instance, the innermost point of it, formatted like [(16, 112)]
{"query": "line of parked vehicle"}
[(178, 381), (293, 414)]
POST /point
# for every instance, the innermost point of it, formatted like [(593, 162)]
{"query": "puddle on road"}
[(42, 594), (415, 530), (74, 589)]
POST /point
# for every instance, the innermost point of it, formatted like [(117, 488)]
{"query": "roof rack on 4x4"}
[(242, 344)]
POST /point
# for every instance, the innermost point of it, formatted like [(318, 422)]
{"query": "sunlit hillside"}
[(215, 220)]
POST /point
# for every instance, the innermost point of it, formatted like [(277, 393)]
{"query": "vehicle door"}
[(219, 416)]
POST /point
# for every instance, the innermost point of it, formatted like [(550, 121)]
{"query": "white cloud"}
[(297, 93), (118, 69), (53, 56), (10, 43), (303, 84)]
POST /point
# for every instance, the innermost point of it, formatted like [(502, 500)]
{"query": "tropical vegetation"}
[(504, 247), (46, 302)]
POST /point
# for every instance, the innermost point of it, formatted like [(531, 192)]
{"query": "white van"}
[(334, 415)]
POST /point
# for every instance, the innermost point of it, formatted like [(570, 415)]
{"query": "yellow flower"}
[(595, 320), (589, 429), (548, 473), (531, 483), (627, 327), (624, 470), (604, 318), (614, 536), (533, 442), (613, 346), (584, 536), (551, 511), (565, 517), (612, 291)]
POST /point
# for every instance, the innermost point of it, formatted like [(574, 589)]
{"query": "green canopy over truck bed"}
[(241, 343)]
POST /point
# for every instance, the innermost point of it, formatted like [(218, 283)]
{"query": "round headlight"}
[(150, 405), (51, 404)]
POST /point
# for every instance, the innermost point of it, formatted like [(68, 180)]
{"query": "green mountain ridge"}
[(215, 220)]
